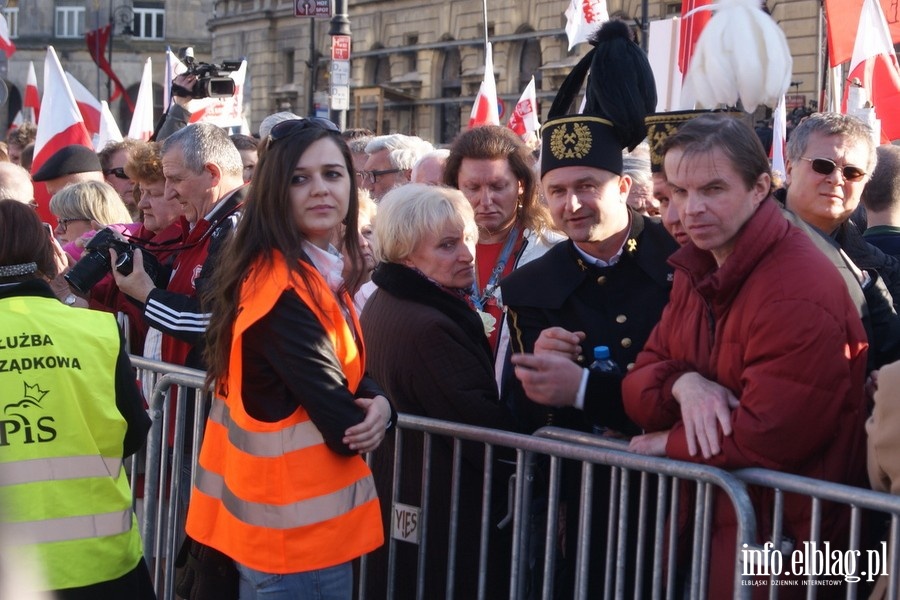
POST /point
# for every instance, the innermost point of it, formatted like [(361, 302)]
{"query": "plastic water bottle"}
[(603, 362)]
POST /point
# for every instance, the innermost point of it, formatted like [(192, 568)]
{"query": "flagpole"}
[(484, 9), (821, 60)]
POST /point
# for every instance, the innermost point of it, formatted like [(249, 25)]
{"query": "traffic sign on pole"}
[(340, 47), (312, 8)]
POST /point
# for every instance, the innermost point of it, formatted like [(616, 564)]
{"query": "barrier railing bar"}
[(452, 531)]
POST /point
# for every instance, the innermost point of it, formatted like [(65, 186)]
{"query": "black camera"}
[(95, 262), (211, 79)]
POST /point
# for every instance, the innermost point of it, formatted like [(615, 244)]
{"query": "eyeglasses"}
[(826, 166), (292, 126), (371, 177), (117, 172), (63, 224)]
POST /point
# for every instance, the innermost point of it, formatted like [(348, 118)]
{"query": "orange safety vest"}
[(273, 496)]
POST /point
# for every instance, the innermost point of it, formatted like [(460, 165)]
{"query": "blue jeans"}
[(333, 583)]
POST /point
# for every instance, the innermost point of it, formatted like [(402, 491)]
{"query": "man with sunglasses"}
[(830, 158), (113, 157), (390, 162)]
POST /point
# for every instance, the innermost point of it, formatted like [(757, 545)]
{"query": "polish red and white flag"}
[(142, 120), (524, 117), (6, 43), (692, 23), (32, 103), (874, 65), (87, 104), (584, 17), (62, 125), (485, 110), (109, 129)]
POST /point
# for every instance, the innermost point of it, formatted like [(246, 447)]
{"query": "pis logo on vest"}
[(24, 420)]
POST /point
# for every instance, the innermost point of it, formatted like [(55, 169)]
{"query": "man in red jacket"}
[(759, 336)]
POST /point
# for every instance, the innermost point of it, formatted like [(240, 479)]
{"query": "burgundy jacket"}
[(776, 326)]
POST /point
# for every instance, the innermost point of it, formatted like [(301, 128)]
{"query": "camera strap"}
[(168, 245)]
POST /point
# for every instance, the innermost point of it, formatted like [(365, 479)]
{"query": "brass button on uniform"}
[(626, 342), (601, 280), (621, 319)]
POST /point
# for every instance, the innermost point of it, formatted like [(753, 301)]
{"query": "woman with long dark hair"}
[(281, 487)]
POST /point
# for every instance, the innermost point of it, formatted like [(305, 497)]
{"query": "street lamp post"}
[(340, 25)]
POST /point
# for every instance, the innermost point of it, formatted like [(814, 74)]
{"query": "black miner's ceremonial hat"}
[(620, 93)]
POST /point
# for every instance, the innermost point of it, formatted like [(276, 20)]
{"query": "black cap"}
[(620, 92), (661, 126), (69, 160)]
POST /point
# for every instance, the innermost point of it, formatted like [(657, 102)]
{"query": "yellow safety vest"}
[(273, 496), (63, 488)]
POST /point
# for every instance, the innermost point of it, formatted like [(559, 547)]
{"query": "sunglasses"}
[(117, 172), (826, 166), (372, 176), (293, 126)]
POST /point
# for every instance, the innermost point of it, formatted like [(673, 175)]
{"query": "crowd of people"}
[(328, 280)]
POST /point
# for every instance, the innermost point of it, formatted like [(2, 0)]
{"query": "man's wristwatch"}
[(70, 300)]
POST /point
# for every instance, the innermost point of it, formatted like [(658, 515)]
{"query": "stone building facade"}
[(415, 64), (141, 29)]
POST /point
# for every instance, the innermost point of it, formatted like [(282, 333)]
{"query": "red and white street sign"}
[(340, 47)]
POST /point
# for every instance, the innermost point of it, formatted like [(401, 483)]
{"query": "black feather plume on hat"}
[(620, 87)]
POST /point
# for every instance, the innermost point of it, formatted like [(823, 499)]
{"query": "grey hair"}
[(15, 183), (204, 143), (828, 124), (404, 150), (410, 212)]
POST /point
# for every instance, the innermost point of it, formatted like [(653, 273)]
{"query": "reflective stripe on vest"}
[(286, 516), (273, 496), (59, 468), (265, 444), (71, 528)]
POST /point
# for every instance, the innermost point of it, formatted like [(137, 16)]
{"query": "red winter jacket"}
[(776, 326)]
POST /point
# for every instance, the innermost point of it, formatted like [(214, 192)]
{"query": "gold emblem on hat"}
[(574, 144)]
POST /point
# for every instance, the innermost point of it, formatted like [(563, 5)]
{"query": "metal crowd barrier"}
[(884, 558), (643, 495), (858, 563), (650, 528), (167, 486)]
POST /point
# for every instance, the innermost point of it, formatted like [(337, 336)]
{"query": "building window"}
[(382, 69), (411, 57), (69, 21), (12, 21), (451, 87), (530, 62), (149, 23), (289, 66)]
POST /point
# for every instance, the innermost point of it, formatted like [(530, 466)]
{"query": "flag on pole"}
[(874, 64), (62, 125), (779, 136), (6, 43), (96, 43), (109, 129), (842, 22), (142, 120), (485, 110), (692, 24), (584, 17), (173, 67), (524, 117), (32, 103), (87, 104)]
